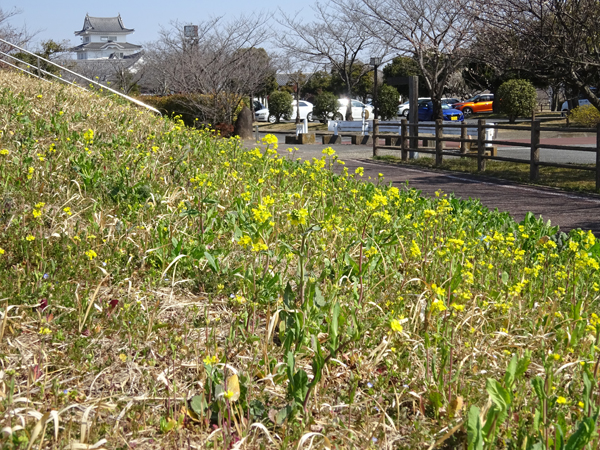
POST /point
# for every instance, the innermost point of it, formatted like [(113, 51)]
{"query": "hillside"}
[(167, 288)]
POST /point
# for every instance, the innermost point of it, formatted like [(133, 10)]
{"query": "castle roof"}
[(103, 25), (97, 46)]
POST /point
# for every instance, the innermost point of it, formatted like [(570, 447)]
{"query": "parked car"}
[(403, 108), (450, 101), (564, 109), (357, 110), (449, 113), (258, 105), (479, 103), (306, 109)]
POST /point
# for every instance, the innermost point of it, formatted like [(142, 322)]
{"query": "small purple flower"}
[(369, 385), (46, 276), (43, 303), (374, 439)]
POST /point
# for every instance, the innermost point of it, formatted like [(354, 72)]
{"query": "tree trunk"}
[(437, 107)]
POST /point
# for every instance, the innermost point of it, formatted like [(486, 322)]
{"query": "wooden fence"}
[(407, 142)]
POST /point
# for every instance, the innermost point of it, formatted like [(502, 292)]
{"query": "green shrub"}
[(516, 98), (326, 105), (280, 104), (586, 115), (387, 99), (175, 105), (198, 109)]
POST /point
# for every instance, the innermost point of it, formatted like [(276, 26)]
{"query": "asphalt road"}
[(567, 210)]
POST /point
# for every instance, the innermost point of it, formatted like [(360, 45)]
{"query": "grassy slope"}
[(144, 263)]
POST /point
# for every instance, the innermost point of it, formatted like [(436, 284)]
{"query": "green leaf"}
[(588, 387), (501, 401), (504, 278), (198, 404), (212, 262), (288, 297), (538, 387), (584, 434), (511, 371), (318, 361), (319, 299), (333, 329), (536, 420), (500, 396), (283, 414), (474, 434), (300, 387), (456, 278)]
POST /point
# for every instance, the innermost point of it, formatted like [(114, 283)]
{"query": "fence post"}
[(534, 168), (480, 145), (463, 136), (439, 143), (375, 137), (598, 157), (404, 139)]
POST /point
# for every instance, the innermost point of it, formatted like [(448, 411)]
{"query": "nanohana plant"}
[(162, 287)]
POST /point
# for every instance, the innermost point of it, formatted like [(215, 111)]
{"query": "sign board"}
[(190, 31)]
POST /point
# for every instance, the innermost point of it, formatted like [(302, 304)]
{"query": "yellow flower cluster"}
[(210, 360), (298, 216)]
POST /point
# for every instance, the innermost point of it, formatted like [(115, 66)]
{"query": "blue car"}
[(450, 114)]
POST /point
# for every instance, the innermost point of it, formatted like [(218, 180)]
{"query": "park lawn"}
[(161, 287)]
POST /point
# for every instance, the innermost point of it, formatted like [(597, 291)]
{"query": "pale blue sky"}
[(59, 19)]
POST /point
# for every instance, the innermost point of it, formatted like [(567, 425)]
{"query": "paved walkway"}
[(562, 208)]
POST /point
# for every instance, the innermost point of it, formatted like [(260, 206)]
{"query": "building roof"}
[(103, 25), (97, 46)]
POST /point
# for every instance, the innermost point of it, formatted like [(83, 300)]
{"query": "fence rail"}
[(64, 69), (407, 141)]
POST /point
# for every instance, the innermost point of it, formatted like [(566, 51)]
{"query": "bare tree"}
[(330, 41), (10, 33), (555, 41), (217, 68), (299, 72), (436, 33)]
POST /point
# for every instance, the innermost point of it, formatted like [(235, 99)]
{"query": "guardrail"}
[(408, 141), (40, 71)]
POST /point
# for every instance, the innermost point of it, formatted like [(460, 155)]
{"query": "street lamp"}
[(375, 62)]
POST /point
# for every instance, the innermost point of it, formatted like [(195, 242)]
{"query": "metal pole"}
[(375, 98)]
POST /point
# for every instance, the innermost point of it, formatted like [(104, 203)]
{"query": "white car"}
[(306, 109), (358, 109)]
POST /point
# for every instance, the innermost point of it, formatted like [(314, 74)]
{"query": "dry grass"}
[(176, 290)]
